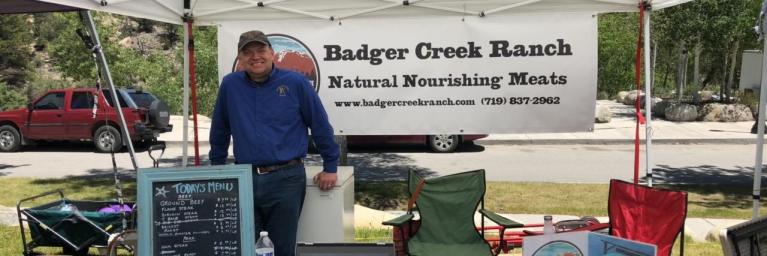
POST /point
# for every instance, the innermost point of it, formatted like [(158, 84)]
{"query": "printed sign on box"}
[(584, 243)]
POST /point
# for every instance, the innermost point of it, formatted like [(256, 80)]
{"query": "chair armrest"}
[(500, 220), (399, 221)]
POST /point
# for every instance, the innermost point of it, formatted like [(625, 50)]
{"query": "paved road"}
[(690, 163)]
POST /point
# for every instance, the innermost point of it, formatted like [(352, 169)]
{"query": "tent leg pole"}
[(648, 98), (193, 85), (760, 138), (105, 68), (185, 106), (760, 125)]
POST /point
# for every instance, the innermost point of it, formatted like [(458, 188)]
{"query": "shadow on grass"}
[(726, 197), (378, 166), (78, 184), (367, 166), (379, 178), (381, 195), (704, 175), (719, 187)]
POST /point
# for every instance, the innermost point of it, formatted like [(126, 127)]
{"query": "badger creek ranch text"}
[(427, 50)]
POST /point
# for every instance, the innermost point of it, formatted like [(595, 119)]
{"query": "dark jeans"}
[(279, 197)]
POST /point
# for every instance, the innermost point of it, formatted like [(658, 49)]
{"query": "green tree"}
[(206, 53), (46, 28), (707, 34), (15, 49), (155, 70), (713, 31), (617, 46), (10, 98)]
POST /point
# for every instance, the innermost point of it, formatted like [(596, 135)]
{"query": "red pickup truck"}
[(74, 114)]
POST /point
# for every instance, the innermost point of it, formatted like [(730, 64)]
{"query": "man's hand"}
[(325, 180)]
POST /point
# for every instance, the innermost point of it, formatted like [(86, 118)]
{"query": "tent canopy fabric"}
[(31, 6), (214, 11)]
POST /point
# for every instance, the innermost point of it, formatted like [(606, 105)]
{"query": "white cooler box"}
[(328, 216)]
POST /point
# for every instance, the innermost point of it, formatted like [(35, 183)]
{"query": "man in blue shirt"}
[(267, 112)]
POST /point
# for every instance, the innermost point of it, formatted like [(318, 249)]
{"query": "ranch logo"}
[(292, 54)]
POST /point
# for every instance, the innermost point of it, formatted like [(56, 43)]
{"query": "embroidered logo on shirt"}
[(282, 90)]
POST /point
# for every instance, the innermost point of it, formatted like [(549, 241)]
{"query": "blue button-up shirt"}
[(269, 121)]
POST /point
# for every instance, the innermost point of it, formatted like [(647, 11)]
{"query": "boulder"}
[(631, 97), (716, 112), (659, 108), (737, 113), (711, 112), (621, 96), (602, 114), (681, 112), (654, 100)]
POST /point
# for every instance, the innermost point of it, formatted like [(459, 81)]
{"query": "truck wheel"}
[(10, 139), (444, 143), (107, 139)]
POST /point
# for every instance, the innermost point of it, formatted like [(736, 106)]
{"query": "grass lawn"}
[(504, 197)]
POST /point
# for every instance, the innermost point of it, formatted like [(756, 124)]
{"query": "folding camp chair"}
[(647, 214), (446, 206)]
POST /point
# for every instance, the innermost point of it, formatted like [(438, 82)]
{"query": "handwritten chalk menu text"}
[(196, 218)]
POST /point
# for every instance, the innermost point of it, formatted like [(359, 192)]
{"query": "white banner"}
[(441, 75)]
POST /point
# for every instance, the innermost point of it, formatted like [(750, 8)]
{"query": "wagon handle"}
[(27, 250), (61, 194)]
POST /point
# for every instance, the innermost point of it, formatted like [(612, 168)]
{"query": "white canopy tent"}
[(211, 12), (214, 11)]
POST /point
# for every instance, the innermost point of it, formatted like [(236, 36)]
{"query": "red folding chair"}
[(647, 214)]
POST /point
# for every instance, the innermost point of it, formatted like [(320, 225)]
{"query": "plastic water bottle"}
[(548, 225), (264, 246)]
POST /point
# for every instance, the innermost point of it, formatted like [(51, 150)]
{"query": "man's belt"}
[(271, 168)]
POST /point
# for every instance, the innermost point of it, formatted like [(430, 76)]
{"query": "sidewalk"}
[(176, 136), (621, 130)]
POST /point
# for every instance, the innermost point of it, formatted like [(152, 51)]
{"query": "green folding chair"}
[(446, 206)]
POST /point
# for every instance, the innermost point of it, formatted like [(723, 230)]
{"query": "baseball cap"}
[(250, 37)]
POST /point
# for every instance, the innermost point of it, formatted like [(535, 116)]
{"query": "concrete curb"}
[(486, 142), (566, 142), (610, 141)]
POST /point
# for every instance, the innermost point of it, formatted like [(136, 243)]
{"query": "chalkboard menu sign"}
[(196, 211)]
